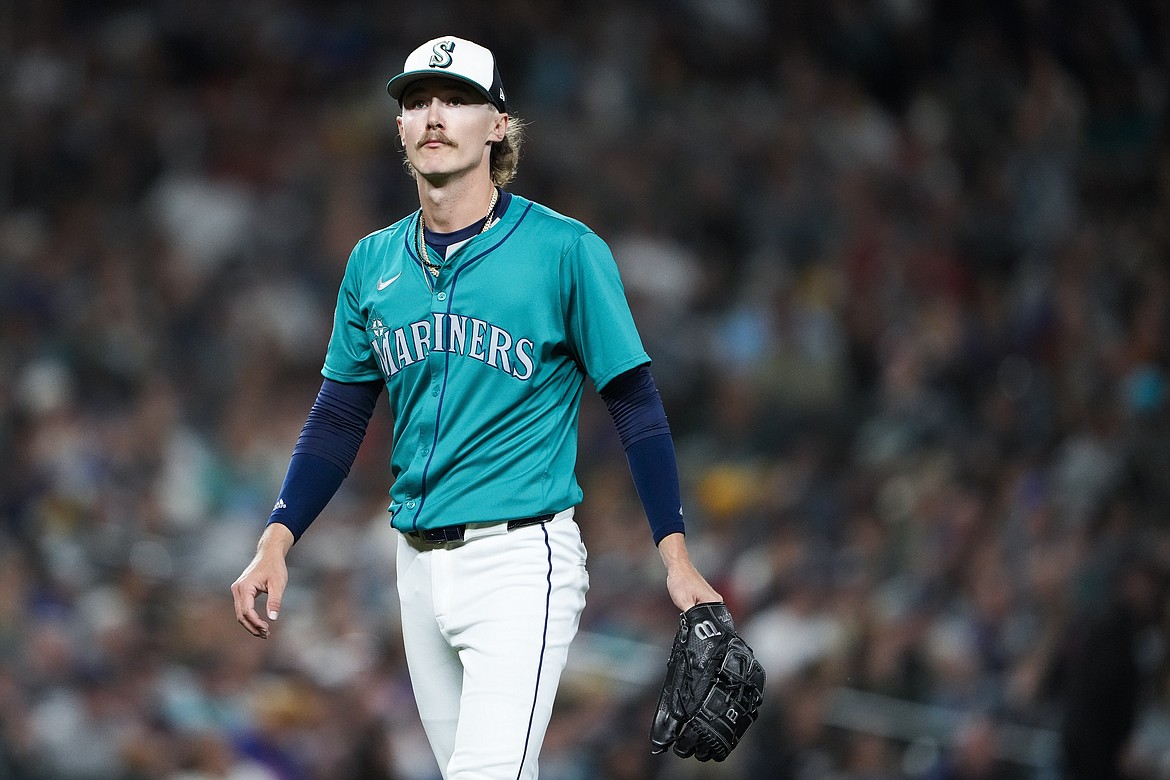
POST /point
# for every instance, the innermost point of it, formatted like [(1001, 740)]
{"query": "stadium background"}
[(902, 266)]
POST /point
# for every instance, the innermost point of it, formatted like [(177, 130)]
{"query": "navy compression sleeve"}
[(636, 408), (328, 444)]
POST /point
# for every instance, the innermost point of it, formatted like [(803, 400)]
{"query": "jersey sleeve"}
[(600, 326), (349, 356)]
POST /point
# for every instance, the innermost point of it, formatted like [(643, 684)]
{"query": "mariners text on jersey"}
[(458, 334)]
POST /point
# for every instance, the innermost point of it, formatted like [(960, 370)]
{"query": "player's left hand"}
[(713, 690), (686, 586)]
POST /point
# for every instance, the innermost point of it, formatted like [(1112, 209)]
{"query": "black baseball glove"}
[(713, 690)]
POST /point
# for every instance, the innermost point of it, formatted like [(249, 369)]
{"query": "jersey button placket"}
[(427, 430)]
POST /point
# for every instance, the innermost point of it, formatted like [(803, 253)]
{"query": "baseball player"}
[(482, 314)]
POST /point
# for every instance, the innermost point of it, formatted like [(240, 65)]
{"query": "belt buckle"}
[(444, 535), (457, 533)]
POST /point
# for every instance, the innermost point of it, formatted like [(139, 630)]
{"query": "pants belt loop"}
[(514, 524)]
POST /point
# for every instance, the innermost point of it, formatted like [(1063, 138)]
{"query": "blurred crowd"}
[(902, 266)]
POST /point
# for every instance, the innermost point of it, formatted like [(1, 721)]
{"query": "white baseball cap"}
[(454, 58)]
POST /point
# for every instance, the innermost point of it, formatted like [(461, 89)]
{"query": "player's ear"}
[(499, 129)]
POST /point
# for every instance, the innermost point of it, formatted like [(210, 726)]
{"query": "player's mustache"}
[(435, 135)]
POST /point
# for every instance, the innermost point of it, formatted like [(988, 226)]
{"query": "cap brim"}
[(398, 85)]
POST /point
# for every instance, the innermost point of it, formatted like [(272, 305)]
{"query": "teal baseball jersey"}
[(484, 365)]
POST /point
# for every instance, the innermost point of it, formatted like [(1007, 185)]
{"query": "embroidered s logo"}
[(441, 54)]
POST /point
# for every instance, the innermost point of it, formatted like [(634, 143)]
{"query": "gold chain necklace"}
[(434, 268)]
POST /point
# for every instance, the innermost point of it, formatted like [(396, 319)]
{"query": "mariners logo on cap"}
[(441, 54), (470, 63)]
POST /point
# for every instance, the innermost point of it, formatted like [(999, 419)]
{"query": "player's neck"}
[(454, 204)]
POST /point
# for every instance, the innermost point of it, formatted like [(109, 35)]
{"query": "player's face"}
[(447, 128)]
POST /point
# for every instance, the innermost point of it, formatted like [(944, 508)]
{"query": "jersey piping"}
[(423, 491)]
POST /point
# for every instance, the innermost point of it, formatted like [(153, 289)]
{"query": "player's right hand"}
[(268, 574)]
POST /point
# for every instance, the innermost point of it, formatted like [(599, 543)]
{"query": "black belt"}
[(454, 533)]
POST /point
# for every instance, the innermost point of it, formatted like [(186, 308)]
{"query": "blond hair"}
[(505, 155)]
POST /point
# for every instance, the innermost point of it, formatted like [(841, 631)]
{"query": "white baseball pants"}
[(487, 624)]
